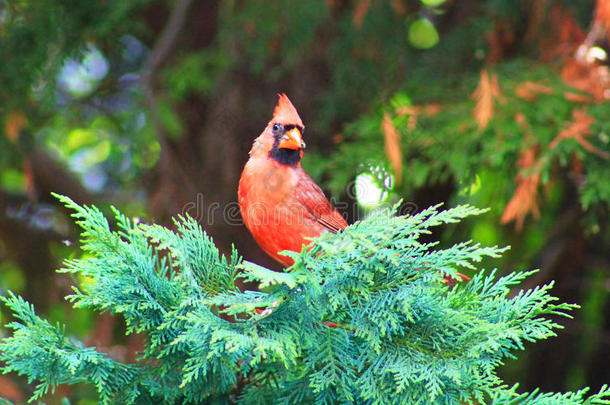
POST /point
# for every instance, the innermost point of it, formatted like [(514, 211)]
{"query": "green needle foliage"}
[(363, 317)]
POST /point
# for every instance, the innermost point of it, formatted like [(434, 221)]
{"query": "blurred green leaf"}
[(423, 34), (13, 180)]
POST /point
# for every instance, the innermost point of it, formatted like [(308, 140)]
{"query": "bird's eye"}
[(277, 127)]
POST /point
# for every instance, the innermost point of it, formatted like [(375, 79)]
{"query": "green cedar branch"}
[(362, 316)]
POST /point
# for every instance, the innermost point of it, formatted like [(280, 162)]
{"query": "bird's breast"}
[(270, 210)]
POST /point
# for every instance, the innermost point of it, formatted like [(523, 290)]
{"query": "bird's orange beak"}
[(292, 140)]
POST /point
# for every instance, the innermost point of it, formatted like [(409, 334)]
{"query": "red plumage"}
[(280, 204)]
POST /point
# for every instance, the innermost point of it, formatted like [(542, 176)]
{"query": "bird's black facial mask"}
[(282, 134)]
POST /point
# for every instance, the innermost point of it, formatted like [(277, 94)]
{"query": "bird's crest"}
[(285, 113)]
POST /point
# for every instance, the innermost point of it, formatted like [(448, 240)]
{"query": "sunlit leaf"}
[(79, 138), (433, 3), (422, 34), (13, 180)]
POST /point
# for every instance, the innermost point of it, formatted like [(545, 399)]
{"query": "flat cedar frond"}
[(509, 397), (361, 317)]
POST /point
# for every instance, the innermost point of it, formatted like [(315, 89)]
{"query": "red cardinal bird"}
[(281, 205)]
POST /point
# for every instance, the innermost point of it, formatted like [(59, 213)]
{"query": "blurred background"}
[(152, 106)]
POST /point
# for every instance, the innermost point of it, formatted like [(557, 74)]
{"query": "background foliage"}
[(153, 105)]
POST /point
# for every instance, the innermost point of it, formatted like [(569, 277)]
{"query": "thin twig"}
[(159, 53), (162, 48)]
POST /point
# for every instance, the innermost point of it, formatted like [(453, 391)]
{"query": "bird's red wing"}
[(321, 210)]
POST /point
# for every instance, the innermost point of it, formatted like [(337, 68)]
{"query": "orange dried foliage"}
[(15, 122), (525, 199), (579, 129), (578, 97), (392, 146), (485, 95), (414, 111), (580, 69), (428, 109), (530, 90), (587, 77), (360, 12)]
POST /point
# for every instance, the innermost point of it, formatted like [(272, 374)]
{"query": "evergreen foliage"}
[(76, 117), (361, 317)]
